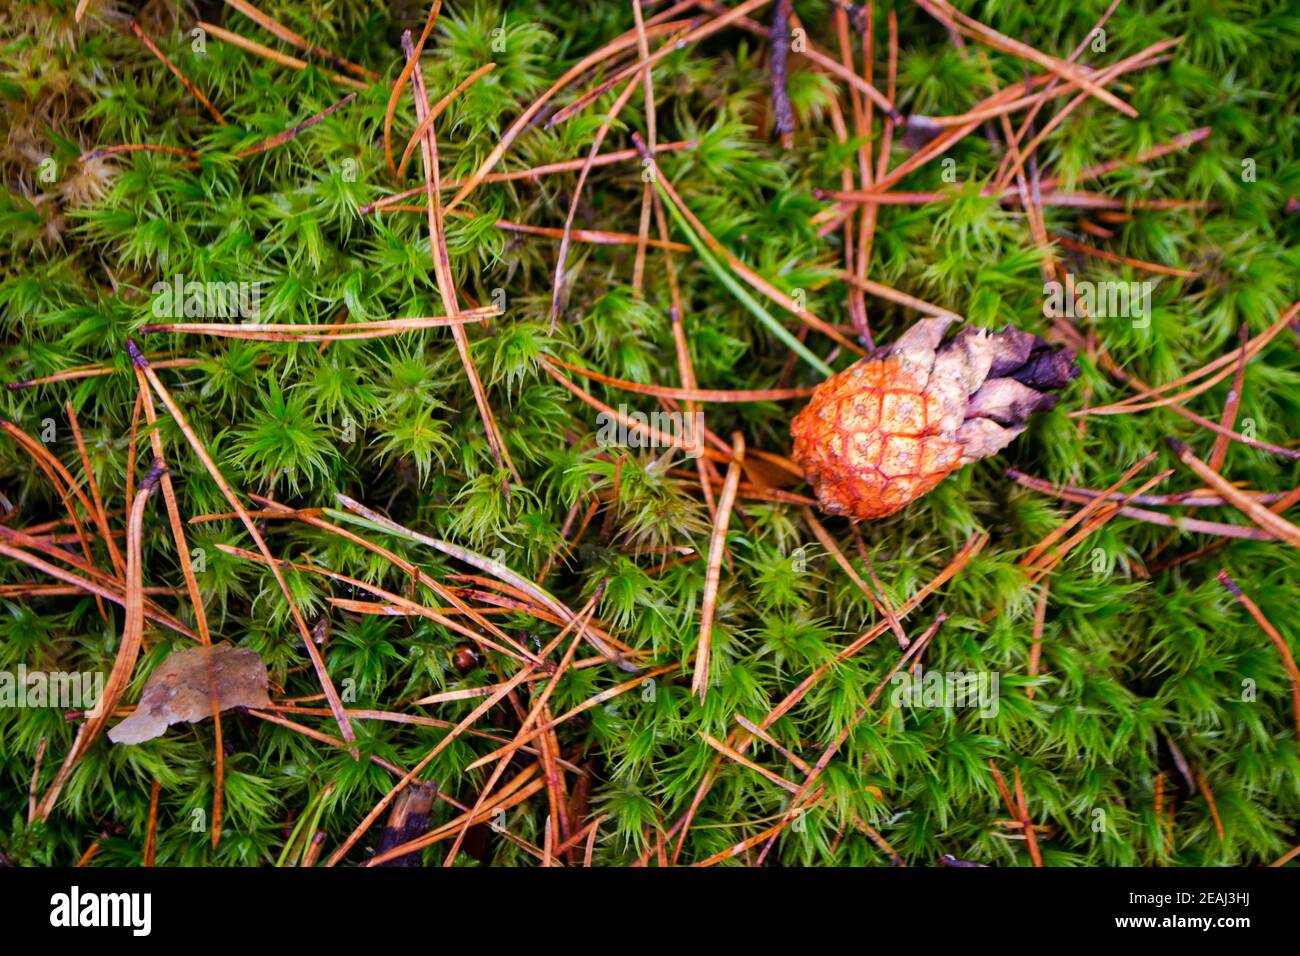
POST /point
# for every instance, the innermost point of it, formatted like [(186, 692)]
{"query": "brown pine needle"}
[(101, 516), (713, 575), (318, 663), (517, 791), (769, 834), (1226, 434), (1199, 498), (1015, 139), (532, 173), (1034, 553), (1122, 260), (526, 118), (1204, 786), (690, 38), (1261, 516), (136, 148), (396, 604), (418, 576), (325, 332), (516, 584), (751, 277), (185, 80), (893, 295), (744, 761), (557, 284), (857, 300), (1284, 651), (279, 139), (97, 588), (1221, 367), (1181, 141), (1031, 837), (685, 394), (597, 237), (67, 489), (288, 36), (1048, 562), (594, 701), (1015, 159), (93, 850), (827, 542), (1036, 639), (196, 603), (880, 196), (324, 738), (954, 19), (586, 833), (538, 709), (1191, 525), (935, 148), (750, 727), (648, 194), (968, 551), (415, 720), (833, 748), (151, 828), (1287, 857), (127, 651), (95, 371), (36, 778), (437, 111), (1219, 454), (442, 261), (404, 77), (251, 46), (657, 438), (873, 835), (409, 776), (1001, 783), (591, 841)]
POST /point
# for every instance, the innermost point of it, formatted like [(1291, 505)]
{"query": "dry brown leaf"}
[(178, 690)]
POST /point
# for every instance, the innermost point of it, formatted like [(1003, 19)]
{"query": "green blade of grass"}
[(736, 289)]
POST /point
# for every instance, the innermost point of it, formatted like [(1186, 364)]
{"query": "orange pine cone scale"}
[(886, 430)]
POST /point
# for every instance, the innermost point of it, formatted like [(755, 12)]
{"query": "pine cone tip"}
[(889, 428)]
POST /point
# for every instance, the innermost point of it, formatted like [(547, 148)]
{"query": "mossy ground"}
[(1130, 664)]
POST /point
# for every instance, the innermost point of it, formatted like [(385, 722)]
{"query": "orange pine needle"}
[(717, 546), (185, 80)]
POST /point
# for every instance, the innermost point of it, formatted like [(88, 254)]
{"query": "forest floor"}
[(500, 490)]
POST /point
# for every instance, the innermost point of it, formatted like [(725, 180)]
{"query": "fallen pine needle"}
[(1252, 509), (1284, 651), (717, 546)]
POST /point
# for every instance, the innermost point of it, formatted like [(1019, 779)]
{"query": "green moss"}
[(1132, 665)]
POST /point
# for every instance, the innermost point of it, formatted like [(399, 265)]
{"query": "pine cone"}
[(889, 428)]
